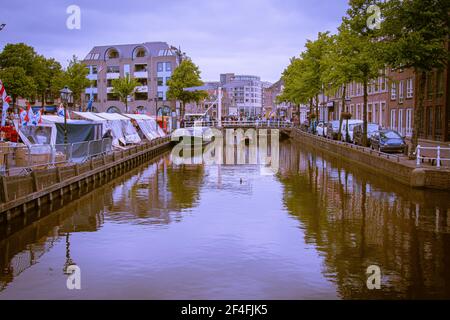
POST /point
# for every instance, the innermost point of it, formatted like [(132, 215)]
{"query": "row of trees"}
[(27, 74), (30, 75), (407, 34)]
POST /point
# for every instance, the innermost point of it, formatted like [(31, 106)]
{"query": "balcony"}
[(113, 75), (92, 76), (109, 89), (141, 74), (91, 90), (142, 89)]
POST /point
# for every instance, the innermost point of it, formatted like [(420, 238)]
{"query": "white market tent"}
[(93, 117), (121, 126), (147, 124)]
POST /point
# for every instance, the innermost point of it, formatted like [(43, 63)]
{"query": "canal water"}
[(166, 231)]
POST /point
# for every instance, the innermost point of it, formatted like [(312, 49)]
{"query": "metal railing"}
[(19, 159), (438, 155), (255, 123)]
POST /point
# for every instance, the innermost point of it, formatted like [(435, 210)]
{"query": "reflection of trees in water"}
[(22, 248), (356, 219)]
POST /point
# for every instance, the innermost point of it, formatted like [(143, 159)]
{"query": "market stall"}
[(119, 123), (146, 124)]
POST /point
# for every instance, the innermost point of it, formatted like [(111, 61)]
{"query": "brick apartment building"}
[(150, 63), (391, 102)]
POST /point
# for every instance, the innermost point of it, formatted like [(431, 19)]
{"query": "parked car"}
[(358, 132), (351, 126), (321, 129), (332, 130), (388, 141)]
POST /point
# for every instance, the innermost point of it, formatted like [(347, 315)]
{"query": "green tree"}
[(415, 34), (17, 83), (76, 79), (18, 55), (339, 69), (365, 48), (48, 76), (186, 75), (123, 88), (303, 77)]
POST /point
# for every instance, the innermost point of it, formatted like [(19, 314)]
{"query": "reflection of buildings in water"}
[(357, 219), (157, 194), (23, 248)]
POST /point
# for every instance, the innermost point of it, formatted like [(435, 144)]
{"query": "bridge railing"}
[(241, 124)]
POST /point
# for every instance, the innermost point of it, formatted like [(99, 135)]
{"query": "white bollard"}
[(438, 158), (418, 156)]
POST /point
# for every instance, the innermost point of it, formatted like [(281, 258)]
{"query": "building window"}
[(88, 97), (112, 54), (160, 66), (430, 122), (393, 91), (167, 80), (408, 122), (438, 123), (140, 96), (160, 95), (160, 81), (430, 85), (440, 83), (113, 109), (109, 83), (142, 81), (400, 121), (168, 66), (112, 97), (140, 68), (401, 90), (113, 69), (409, 88), (94, 70), (393, 120)]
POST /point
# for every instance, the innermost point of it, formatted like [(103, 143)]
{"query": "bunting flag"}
[(6, 100), (90, 102), (60, 111), (38, 117), (22, 115)]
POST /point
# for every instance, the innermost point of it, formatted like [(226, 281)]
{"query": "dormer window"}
[(112, 54)]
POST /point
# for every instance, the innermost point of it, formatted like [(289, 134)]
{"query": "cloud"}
[(241, 36)]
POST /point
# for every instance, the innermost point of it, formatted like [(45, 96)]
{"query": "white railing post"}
[(438, 157), (418, 156)]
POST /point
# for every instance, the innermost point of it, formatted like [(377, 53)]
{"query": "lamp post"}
[(66, 94)]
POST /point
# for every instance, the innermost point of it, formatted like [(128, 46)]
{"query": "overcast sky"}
[(242, 36)]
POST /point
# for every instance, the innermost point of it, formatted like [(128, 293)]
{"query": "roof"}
[(112, 116), (139, 116), (58, 119), (126, 50), (89, 116)]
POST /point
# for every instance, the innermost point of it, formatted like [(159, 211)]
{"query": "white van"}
[(351, 125)]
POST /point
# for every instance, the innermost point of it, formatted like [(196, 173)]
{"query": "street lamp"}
[(66, 94)]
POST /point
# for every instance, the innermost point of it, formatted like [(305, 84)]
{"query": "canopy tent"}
[(44, 133), (93, 117), (121, 126), (147, 124), (77, 130)]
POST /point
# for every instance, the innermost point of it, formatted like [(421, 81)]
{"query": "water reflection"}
[(357, 219), (166, 231)]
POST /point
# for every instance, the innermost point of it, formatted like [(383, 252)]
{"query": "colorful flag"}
[(6, 100), (22, 115)]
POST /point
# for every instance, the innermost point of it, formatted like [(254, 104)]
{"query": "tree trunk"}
[(317, 109), (311, 111), (126, 105), (344, 93), (418, 113), (364, 137), (43, 100)]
